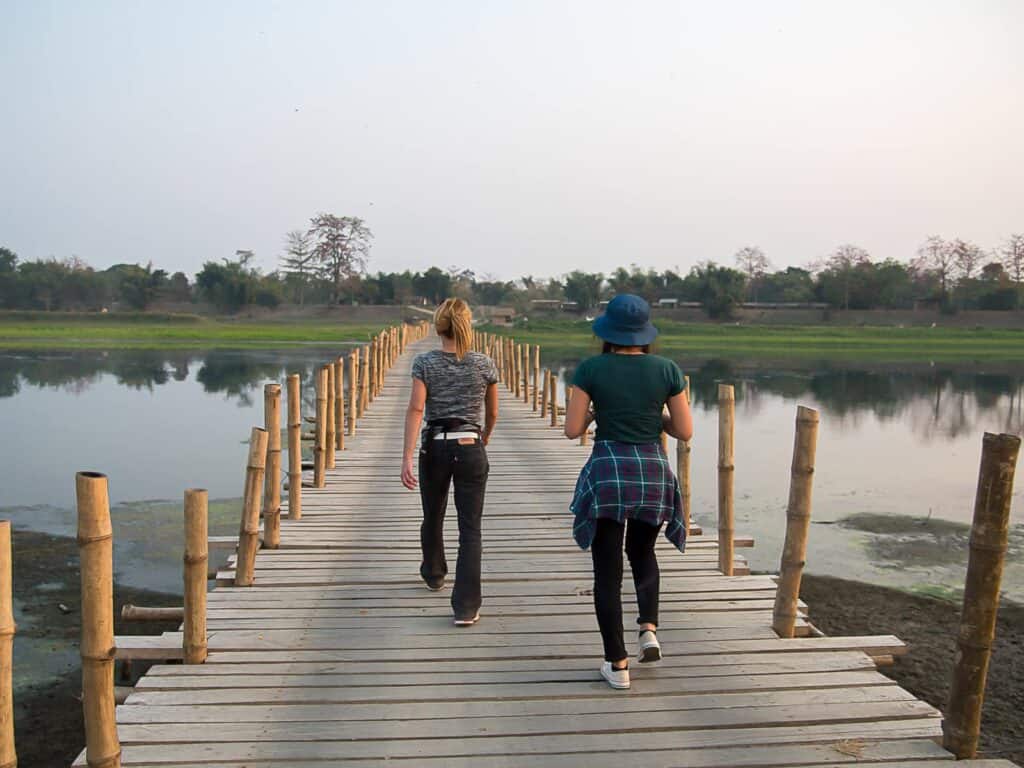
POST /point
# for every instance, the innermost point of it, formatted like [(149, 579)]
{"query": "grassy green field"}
[(145, 331), (868, 343), (567, 339)]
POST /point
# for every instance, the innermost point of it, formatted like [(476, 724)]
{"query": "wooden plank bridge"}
[(339, 655)]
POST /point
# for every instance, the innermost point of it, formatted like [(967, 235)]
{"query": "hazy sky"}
[(509, 137)]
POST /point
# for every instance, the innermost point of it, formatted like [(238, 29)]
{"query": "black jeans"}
[(443, 463), (606, 550)]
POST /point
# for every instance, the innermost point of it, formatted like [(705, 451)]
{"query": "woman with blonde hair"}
[(450, 386)]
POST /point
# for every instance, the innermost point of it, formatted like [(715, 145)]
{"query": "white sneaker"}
[(650, 648), (616, 678)]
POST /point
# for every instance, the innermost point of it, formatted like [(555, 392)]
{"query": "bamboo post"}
[(272, 489), (371, 370), (524, 374), (544, 394), (249, 530), (683, 469), (536, 374), (364, 381), (568, 397), (294, 447), (196, 555), (798, 522), (329, 437), (339, 404), (353, 377), (726, 470), (95, 545), (989, 535), (320, 444), (553, 398), (518, 364), (8, 757)]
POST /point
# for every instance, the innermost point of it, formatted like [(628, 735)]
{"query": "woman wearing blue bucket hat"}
[(627, 489)]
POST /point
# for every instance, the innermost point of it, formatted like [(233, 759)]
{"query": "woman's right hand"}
[(409, 474)]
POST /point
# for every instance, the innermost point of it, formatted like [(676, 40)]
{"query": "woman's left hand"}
[(409, 475)]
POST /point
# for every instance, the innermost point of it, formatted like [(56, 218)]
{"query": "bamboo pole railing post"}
[(8, 756), (320, 442), (339, 404), (525, 373), (536, 374), (518, 365), (544, 387), (95, 544), (329, 437), (371, 371), (568, 397), (553, 397), (683, 468), (990, 527), (272, 489), (196, 556), (249, 530), (364, 381), (798, 522), (294, 447), (353, 377), (726, 471)]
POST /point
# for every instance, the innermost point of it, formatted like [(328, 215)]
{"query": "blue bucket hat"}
[(626, 321)]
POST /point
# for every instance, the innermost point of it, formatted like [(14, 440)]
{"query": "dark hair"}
[(607, 347)]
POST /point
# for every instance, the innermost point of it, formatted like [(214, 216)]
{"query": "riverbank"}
[(48, 723), (48, 712), (929, 627), (560, 339), (565, 339), (173, 332)]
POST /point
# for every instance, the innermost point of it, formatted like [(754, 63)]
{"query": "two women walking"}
[(626, 492)]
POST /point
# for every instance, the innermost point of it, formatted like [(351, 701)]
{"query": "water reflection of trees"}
[(934, 402), (236, 374)]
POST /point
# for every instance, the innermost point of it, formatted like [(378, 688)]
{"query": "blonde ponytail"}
[(455, 320)]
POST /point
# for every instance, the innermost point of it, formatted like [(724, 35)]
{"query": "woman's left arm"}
[(413, 420)]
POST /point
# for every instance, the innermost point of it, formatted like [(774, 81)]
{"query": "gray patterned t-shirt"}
[(455, 388)]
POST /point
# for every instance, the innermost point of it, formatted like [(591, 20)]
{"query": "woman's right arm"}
[(578, 416), (413, 420), (679, 421)]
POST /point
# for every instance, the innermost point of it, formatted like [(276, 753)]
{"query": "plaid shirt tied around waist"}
[(627, 481)]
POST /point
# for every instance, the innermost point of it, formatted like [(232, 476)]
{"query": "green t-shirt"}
[(628, 392)]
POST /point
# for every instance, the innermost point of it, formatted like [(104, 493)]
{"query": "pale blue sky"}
[(509, 137)]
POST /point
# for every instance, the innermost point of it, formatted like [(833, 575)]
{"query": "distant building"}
[(551, 304), (501, 315), (569, 306), (668, 303)]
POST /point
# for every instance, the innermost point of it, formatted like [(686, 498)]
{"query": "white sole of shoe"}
[(649, 654), (467, 622)]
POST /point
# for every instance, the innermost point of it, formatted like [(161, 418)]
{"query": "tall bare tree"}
[(967, 257), (342, 248), (752, 261), (843, 262), (935, 255), (1013, 258), (298, 258)]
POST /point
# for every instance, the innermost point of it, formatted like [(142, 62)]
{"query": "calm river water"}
[(898, 453)]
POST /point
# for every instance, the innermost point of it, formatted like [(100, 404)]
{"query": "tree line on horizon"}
[(325, 264)]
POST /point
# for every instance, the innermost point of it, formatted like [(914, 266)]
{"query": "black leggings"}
[(606, 550)]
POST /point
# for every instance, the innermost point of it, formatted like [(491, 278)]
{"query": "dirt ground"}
[(48, 716), (929, 626), (48, 729)]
